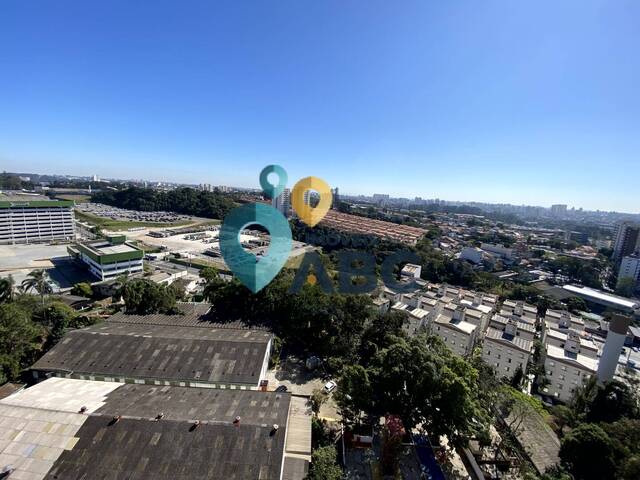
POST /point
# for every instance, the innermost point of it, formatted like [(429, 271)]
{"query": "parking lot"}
[(115, 213), (291, 373)]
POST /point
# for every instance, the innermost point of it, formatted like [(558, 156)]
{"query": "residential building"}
[(568, 367), (563, 320), (630, 268), (506, 349), (499, 249), (458, 334), (35, 219), (523, 311), (559, 210), (282, 202), (471, 254), (524, 329), (559, 338), (411, 270), (626, 241), (109, 258)]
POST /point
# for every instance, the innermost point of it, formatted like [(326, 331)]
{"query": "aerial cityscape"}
[(319, 241)]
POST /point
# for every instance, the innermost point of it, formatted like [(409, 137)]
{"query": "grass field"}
[(110, 224)]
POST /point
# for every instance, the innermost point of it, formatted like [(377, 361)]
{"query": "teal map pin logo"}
[(272, 191), (255, 272)]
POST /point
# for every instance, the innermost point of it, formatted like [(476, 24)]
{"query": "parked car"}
[(330, 386), (281, 389)]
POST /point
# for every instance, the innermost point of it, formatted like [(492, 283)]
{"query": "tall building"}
[(282, 202), (627, 240), (336, 199), (558, 210), (34, 219), (630, 268)]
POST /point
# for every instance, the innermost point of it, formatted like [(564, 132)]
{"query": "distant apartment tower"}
[(282, 202), (627, 240), (630, 268), (335, 199), (34, 219), (558, 210), (109, 258)]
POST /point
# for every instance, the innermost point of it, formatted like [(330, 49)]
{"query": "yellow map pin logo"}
[(308, 214)]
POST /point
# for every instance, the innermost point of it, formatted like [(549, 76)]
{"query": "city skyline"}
[(494, 103)]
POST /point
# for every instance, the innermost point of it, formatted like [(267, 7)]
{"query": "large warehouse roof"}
[(144, 432), (161, 352)]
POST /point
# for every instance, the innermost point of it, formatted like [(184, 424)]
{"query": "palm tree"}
[(6, 289), (37, 280)]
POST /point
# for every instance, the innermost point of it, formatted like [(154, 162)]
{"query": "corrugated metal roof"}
[(160, 352)]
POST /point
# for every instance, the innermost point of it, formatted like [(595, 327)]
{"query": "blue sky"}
[(464, 100)]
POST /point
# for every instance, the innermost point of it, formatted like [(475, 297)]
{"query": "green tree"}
[(324, 465), (209, 274), (608, 403), (589, 453), (20, 340), (143, 297), (59, 317), (354, 394), (6, 289), (37, 280), (82, 289)]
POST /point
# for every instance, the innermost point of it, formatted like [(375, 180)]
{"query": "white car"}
[(330, 386)]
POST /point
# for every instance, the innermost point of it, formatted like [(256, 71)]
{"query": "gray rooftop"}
[(161, 352)]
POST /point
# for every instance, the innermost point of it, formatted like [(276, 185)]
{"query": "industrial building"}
[(79, 429), (108, 258), (31, 218), (183, 349)]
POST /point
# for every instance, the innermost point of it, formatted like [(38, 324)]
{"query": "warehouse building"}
[(185, 349), (30, 218), (79, 429), (108, 258)]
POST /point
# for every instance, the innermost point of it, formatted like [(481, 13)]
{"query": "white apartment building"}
[(282, 202), (630, 268), (524, 329), (500, 250), (567, 368), (506, 350), (517, 308), (563, 320), (458, 334), (34, 219), (559, 339)]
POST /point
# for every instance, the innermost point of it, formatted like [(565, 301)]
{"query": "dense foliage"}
[(184, 200), (30, 325), (142, 296)]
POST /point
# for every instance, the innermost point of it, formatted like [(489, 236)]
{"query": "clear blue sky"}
[(463, 100)]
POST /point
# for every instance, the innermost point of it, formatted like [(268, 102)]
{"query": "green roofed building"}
[(110, 257), (31, 218)]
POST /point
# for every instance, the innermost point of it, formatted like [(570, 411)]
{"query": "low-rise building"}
[(109, 258), (506, 350), (563, 320), (458, 334), (517, 308), (78, 429), (567, 367), (184, 349)]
